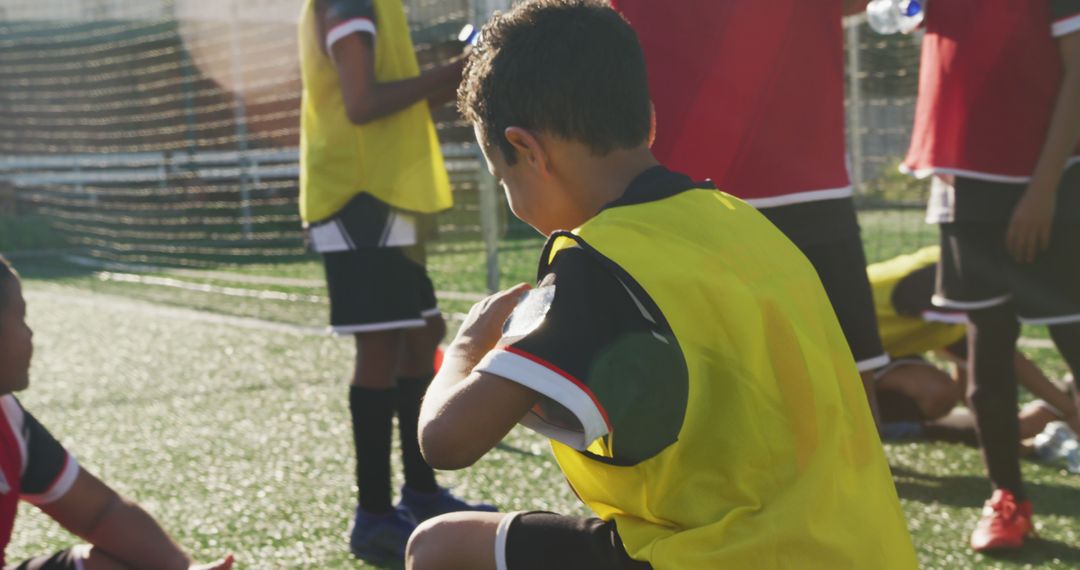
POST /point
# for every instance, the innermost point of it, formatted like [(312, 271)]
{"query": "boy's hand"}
[(482, 328), (223, 564), (1029, 230)]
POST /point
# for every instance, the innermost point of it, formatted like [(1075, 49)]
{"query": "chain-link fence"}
[(165, 132)]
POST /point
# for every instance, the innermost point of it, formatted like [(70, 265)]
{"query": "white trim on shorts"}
[(502, 532), (941, 301), (1061, 320), (975, 174), (375, 327), (330, 237), (1065, 26), (802, 197), (432, 312), (872, 363)]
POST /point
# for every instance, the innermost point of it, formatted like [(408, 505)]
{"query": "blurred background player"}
[(916, 397), (371, 175), (34, 467), (679, 351), (750, 95), (997, 122)]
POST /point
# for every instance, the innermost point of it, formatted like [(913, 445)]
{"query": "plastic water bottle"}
[(893, 16)]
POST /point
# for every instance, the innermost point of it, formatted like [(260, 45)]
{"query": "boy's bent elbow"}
[(359, 115), (442, 450)]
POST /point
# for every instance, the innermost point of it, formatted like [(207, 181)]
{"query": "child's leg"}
[(518, 541), (415, 373), (1067, 339), (372, 401), (456, 540), (992, 393), (915, 390)]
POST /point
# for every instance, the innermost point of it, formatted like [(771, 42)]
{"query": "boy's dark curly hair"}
[(569, 68)]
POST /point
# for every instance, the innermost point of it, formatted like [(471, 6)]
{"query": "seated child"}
[(911, 390), (37, 469), (678, 350)]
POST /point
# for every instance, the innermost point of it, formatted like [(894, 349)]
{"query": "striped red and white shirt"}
[(34, 467)]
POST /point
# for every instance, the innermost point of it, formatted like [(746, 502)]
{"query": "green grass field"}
[(234, 432)]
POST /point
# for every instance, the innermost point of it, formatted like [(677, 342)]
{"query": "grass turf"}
[(238, 438)]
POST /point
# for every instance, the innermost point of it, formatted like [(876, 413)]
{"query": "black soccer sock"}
[(373, 420), (898, 407), (419, 476), (1067, 340), (992, 393)]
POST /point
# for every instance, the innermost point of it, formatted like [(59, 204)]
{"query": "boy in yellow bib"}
[(678, 350), (371, 171)]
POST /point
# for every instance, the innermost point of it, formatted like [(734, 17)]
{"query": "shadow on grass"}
[(970, 491), (1040, 550)]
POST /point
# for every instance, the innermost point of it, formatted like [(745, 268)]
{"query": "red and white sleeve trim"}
[(1066, 26), (60, 486), (13, 414), (354, 25), (549, 380)]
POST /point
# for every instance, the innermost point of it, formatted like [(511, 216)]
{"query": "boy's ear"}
[(527, 147)]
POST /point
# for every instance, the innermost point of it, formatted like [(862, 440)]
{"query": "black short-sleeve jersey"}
[(606, 365), (344, 17)]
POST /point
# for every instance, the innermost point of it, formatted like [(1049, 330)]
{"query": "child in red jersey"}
[(34, 467), (998, 125)]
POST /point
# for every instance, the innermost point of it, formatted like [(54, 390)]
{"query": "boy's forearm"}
[(458, 361), (394, 96), (130, 535)]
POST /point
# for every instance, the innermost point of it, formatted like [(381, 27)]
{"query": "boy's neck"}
[(597, 181)]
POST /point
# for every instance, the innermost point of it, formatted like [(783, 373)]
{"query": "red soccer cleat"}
[(1004, 523)]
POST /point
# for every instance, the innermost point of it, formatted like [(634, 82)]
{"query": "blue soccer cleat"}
[(382, 537)]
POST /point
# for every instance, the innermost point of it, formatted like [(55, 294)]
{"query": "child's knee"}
[(454, 540), (939, 399), (431, 545)]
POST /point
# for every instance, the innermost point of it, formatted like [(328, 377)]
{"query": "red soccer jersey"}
[(33, 466), (990, 75), (748, 93)]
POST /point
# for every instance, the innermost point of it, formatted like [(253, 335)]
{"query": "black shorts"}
[(977, 272), (374, 259), (827, 232), (70, 559), (541, 541), (377, 288)]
